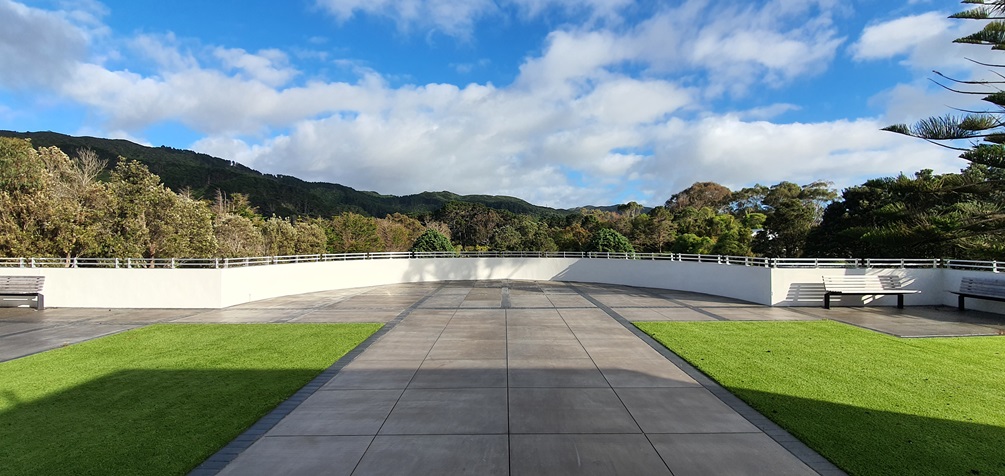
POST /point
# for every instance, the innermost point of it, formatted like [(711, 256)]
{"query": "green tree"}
[(631, 209), (80, 204), (397, 232), (311, 237), (152, 221), (607, 240), (693, 244), (353, 233), (471, 224), (699, 195), (431, 241), (792, 211), (279, 236), (929, 215), (237, 237), (25, 207)]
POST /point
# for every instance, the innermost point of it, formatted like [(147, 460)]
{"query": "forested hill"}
[(272, 194)]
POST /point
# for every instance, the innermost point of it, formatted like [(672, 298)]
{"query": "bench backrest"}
[(21, 284), (857, 283), (983, 287)]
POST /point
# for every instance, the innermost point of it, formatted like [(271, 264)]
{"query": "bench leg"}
[(959, 302), (827, 301), (40, 304), (900, 301)]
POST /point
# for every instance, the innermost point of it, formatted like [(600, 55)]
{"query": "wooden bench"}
[(980, 288), (865, 286), (24, 286)]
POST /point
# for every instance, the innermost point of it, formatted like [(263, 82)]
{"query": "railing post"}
[(172, 263), (32, 262), (994, 266)]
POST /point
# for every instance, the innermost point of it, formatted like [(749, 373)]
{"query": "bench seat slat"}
[(980, 288), (23, 286), (865, 285)]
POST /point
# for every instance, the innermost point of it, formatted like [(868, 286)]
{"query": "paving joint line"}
[(797, 448), (405, 313), (215, 463)]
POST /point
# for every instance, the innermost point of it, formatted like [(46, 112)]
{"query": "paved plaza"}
[(502, 377)]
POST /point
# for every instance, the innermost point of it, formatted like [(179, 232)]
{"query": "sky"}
[(562, 103)]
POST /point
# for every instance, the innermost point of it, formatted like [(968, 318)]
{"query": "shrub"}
[(607, 240), (432, 240)]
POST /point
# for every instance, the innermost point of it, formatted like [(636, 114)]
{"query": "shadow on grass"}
[(864, 441), (138, 421)]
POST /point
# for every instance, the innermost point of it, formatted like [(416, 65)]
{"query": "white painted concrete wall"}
[(217, 288), (804, 287), (127, 288)]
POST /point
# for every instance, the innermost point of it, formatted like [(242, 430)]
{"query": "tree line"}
[(53, 205)]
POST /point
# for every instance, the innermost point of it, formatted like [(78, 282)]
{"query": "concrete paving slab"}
[(555, 373), (682, 410), (300, 455), (460, 374), (19, 345), (339, 412), (536, 333), (569, 410), (476, 455), (335, 315), (374, 374), (631, 373), (483, 349), (738, 453), (224, 316), (600, 455), (566, 348), (473, 332), (468, 411)]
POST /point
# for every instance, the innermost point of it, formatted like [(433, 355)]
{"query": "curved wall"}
[(218, 288)]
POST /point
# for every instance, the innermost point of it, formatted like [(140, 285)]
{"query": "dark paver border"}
[(799, 449), (215, 463)]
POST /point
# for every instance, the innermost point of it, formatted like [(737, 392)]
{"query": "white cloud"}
[(38, 47), (270, 67), (922, 42), (899, 36), (450, 17), (736, 153), (601, 112)]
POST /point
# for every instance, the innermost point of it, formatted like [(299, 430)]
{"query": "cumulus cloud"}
[(38, 47), (450, 17), (603, 111), (921, 42)]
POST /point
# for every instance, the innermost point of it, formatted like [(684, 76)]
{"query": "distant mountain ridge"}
[(281, 195)]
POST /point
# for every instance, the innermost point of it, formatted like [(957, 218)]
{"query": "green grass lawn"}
[(871, 403), (155, 400)]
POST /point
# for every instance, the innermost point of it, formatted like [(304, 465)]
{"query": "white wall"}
[(804, 287), (127, 288), (217, 288)]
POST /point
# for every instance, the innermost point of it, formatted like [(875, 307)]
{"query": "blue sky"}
[(559, 102)]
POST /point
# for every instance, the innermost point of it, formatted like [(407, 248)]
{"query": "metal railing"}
[(223, 263)]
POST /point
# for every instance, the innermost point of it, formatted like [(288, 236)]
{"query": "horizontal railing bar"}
[(240, 262)]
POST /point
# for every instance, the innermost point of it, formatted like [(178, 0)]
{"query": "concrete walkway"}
[(502, 377), (520, 378)]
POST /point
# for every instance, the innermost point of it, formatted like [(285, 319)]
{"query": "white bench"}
[(24, 286), (869, 285), (980, 288)]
